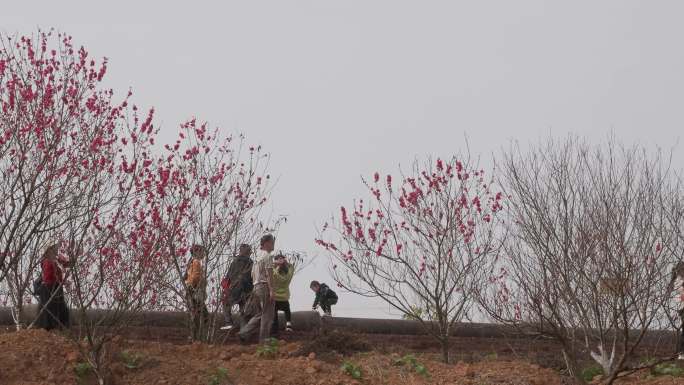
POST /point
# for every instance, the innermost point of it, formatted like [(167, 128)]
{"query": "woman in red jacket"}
[(54, 312)]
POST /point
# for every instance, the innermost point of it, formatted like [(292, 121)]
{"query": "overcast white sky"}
[(339, 89)]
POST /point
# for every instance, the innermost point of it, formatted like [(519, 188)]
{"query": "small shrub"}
[(131, 360), (82, 369), (413, 364), (668, 369), (589, 373), (270, 350), (352, 370), (218, 377)]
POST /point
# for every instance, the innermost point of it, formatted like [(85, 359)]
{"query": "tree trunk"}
[(17, 314), (444, 342), (97, 362)]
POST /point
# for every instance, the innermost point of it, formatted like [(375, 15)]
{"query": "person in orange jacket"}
[(196, 285)]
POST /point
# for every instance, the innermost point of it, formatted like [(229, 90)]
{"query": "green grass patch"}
[(668, 369), (352, 370), (131, 360), (411, 362), (82, 369), (590, 372), (218, 377), (269, 350)]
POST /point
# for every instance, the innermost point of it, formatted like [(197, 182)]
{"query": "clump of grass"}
[(668, 369), (82, 369), (590, 372), (269, 350), (352, 370), (218, 376), (411, 362), (131, 360)]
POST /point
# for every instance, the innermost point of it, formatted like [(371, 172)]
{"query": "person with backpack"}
[(196, 285), (53, 312), (677, 284), (325, 297), (283, 272), (237, 285)]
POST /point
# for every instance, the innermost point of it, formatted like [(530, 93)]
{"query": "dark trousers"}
[(53, 309), (285, 307), (228, 310), (326, 304)]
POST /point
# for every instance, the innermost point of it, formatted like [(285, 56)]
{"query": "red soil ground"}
[(34, 357)]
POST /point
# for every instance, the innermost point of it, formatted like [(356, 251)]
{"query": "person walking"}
[(283, 272), (197, 292), (325, 297), (53, 312), (262, 275), (237, 285)]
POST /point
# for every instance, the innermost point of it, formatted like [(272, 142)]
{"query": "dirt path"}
[(38, 357)]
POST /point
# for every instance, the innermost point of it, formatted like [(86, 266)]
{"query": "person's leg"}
[(203, 318), (42, 317), (285, 307), (63, 310), (227, 312), (288, 316), (326, 309), (193, 309), (241, 310), (275, 328), (330, 304), (247, 330), (205, 314), (324, 306), (47, 321), (54, 309), (268, 307), (257, 319)]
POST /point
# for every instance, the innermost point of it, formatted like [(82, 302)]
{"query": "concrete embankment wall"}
[(311, 320), (303, 320)]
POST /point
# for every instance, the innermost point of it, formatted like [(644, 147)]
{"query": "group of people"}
[(259, 288)]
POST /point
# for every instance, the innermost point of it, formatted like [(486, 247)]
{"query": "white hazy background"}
[(339, 89)]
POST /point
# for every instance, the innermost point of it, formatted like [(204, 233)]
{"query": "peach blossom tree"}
[(57, 125), (592, 241), (209, 190), (74, 162), (426, 241)]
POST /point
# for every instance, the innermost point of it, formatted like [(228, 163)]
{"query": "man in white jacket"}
[(262, 276)]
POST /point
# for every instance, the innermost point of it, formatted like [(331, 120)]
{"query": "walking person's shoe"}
[(288, 326)]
